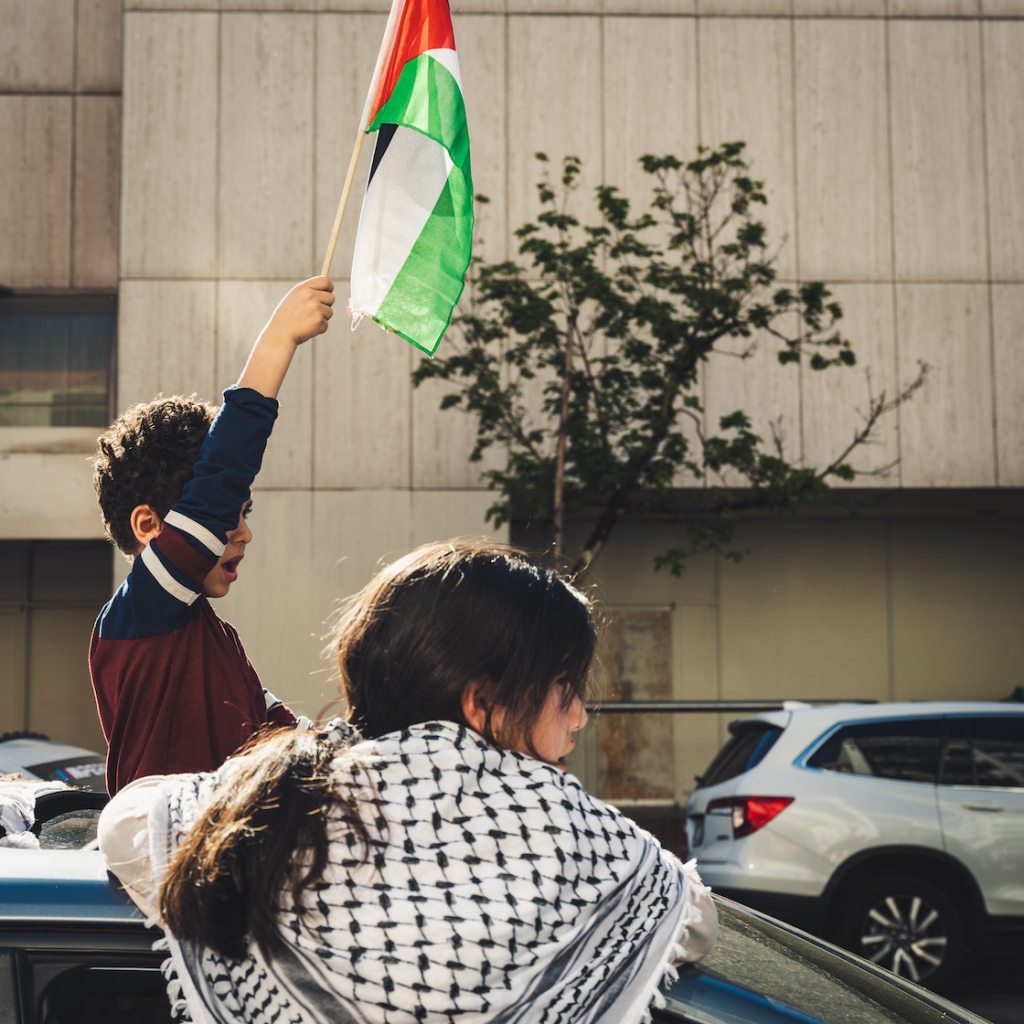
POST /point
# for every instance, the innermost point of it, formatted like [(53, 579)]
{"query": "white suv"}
[(895, 829)]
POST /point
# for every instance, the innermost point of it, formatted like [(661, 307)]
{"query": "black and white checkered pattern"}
[(494, 889)]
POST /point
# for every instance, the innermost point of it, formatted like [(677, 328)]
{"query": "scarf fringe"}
[(180, 1013), (677, 952)]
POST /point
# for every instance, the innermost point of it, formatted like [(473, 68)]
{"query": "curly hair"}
[(146, 457)]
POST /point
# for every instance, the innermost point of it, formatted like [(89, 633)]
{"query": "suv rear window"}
[(749, 742), (904, 749)]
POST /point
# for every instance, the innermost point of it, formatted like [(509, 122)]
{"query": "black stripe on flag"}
[(385, 133)]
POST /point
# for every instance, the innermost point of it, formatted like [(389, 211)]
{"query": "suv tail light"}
[(749, 813)]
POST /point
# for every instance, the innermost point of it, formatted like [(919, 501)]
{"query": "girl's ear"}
[(475, 705), (146, 525)]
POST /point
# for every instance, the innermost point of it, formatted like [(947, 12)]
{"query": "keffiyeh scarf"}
[(495, 888)]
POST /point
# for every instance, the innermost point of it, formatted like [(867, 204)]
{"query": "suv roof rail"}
[(713, 706)]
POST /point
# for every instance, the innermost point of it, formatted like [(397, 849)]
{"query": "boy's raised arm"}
[(302, 314), (169, 575)]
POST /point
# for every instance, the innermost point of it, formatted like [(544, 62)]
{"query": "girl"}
[(430, 858)]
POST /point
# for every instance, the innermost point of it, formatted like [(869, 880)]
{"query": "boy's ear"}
[(475, 704), (146, 524)]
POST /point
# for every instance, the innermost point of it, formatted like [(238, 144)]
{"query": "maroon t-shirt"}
[(181, 702)]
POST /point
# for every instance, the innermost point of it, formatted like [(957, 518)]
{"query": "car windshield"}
[(759, 973), (749, 742), (74, 830), (42, 815)]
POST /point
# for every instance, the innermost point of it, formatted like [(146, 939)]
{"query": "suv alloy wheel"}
[(906, 924)]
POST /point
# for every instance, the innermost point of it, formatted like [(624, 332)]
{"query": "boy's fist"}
[(304, 312)]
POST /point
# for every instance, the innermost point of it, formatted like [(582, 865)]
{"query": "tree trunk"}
[(563, 416)]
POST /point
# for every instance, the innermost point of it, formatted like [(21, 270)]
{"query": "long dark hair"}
[(444, 617), (454, 613)]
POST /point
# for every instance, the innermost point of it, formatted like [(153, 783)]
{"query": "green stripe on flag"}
[(432, 278), (428, 99)]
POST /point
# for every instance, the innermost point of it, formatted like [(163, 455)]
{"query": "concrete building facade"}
[(184, 157)]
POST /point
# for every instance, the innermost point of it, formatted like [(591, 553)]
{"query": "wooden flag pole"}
[(342, 203), (364, 121)]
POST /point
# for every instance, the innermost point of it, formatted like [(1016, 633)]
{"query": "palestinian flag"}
[(416, 226)]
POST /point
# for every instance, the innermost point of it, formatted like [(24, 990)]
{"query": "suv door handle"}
[(990, 808)]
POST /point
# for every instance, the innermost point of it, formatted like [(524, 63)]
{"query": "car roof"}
[(47, 894), (823, 714), (886, 709), (66, 886), (15, 745), (33, 756)]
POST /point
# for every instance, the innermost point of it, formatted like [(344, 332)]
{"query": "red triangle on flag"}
[(422, 25)]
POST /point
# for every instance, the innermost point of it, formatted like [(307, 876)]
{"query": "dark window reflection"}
[(987, 752), (55, 361), (903, 750)]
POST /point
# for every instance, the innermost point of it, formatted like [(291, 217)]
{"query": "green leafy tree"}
[(582, 366)]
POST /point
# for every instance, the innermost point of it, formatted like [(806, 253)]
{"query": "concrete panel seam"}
[(892, 245), (311, 447), (987, 192), (796, 207), (72, 175)]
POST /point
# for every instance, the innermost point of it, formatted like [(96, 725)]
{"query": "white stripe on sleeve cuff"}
[(196, 530), (165, 579)]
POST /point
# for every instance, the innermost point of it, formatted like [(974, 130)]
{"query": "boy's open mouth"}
[(231, 567)]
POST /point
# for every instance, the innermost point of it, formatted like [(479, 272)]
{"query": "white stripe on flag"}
[(197, 530), (165, 579), (397, 205), (396, 208), (450, 60)]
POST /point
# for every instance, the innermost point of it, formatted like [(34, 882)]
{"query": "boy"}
[(174, 689)]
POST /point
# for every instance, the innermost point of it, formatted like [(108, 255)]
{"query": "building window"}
[(56, 360)]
